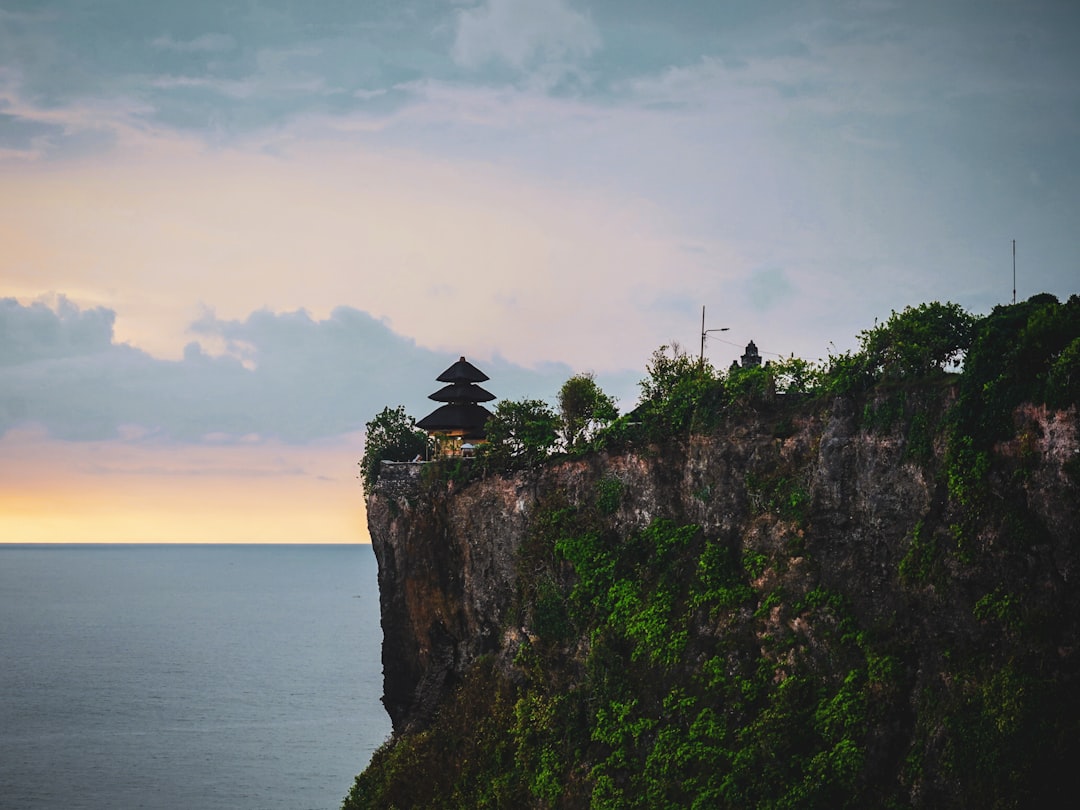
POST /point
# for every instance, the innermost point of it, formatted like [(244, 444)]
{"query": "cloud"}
[(524, 34), (554, 220), (90, 122), (280, 375), (207, 43), (231, 88), (40, 331)]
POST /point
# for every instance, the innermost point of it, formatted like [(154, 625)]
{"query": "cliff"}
[(815, 604)]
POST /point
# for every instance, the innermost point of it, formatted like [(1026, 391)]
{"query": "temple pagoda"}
[(459, 424)]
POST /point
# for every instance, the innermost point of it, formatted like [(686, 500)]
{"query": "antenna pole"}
[(1014, 277)]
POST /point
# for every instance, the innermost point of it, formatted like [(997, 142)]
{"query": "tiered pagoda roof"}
[(463, 372), (462, 415), (462, 392)]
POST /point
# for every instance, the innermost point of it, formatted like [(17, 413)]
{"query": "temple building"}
[(751, 357), (458, 425)]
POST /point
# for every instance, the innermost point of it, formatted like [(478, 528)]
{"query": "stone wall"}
[(398, 479)]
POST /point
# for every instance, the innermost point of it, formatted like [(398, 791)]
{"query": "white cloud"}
[(524, 34)]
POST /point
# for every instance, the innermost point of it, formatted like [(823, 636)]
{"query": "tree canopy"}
[(520, 432), (1029, 351), (676, 389), (392, 435), (918, 341), (584, 408)]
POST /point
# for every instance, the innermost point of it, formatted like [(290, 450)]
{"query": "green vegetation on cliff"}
[(768, 645)]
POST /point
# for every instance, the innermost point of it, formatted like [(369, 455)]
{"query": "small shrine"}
[(458, 426), (751, 357)]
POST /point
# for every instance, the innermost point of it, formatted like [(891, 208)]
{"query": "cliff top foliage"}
[(1028, 351)]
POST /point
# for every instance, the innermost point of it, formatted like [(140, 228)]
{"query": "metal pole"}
[(701, 357), (704, 332), (1014, 271)]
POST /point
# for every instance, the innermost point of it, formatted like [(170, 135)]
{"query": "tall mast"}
[(1014, 275)]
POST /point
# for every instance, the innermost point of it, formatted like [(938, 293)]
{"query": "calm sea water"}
[(198, 677)]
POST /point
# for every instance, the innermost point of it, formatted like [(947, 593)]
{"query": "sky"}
[(232, 232)]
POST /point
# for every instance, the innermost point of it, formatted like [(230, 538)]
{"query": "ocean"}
[(188, 677)]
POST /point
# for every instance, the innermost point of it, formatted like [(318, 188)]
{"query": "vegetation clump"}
[(520, 433)]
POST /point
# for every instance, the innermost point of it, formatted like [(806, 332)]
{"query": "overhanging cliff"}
[(803, 608)]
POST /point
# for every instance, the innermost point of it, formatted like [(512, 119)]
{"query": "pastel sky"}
[(231, 232)]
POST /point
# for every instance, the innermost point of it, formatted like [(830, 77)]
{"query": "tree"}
[(520, 432), (584, 409), (1021, 352), (669, 368), (845, 374), (391, 436), (750, 386), (1063, 383), (793, 375), (678, 390), (918, 341)]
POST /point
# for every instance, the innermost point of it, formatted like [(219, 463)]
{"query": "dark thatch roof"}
[(462, 372), (465, 416), (462, 392)]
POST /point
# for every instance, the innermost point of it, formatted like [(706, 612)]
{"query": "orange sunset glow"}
[(90, 493)]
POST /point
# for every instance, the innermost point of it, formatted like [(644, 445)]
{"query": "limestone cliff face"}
[(447, 576), (861, 512), (825, 605)]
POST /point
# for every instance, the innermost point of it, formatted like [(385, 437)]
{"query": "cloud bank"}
[(285, 376)]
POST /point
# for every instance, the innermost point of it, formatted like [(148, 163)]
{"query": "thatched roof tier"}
[(462, 392), (458, 416), (462, 372)]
